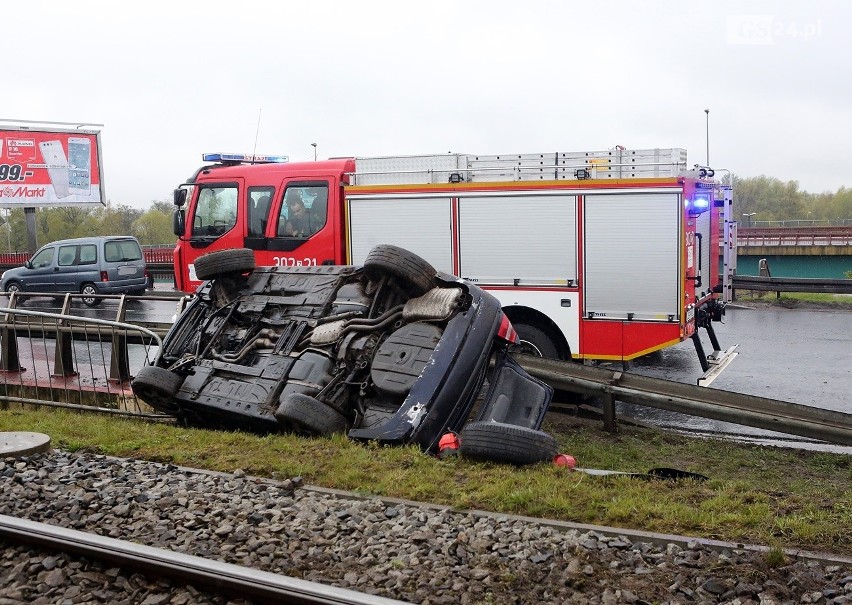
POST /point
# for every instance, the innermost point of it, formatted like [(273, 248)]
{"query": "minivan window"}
[(122, 251), (88, 254), (44, 258), (67, 254), (215, 212)]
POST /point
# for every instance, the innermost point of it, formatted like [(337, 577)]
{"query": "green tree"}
[(154, 227)]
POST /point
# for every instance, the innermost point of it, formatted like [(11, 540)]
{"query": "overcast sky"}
[(172, 80)]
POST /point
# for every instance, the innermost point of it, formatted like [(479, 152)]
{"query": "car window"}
[(303, 210), (88, 254), (215, 211), (258, 209), (44, 258), (67, 254), (122, 251)]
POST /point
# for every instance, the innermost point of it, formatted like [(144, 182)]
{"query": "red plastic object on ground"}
[(448, 445), (565, 460)]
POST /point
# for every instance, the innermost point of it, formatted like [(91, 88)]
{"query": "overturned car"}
[(393, 352)]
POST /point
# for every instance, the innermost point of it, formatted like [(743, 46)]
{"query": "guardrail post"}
[(608, 402), (9, 360), (119, 366), (63, 357)]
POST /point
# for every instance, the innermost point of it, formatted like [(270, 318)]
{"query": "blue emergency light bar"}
[(244, 157)]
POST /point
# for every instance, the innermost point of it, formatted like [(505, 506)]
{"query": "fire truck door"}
[(299, 232)]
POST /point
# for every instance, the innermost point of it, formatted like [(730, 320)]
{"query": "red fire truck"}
[(606, 255)]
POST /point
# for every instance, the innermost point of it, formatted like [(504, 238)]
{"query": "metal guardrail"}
[(64, 360), (736, 408), (792, 284)]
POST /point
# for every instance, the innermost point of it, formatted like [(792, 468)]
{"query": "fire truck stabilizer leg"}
[(699, 348), (713, 340)]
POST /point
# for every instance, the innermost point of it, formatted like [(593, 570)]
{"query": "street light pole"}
[(314, 145), (707, 114), (748, 216)]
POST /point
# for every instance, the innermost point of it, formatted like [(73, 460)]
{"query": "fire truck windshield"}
[(215, 211)]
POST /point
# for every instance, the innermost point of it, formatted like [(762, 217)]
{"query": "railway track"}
[(213, 577)]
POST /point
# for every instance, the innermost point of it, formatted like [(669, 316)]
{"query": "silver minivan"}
[(89, 265)]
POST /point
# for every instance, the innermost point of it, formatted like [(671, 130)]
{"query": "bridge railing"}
[(795, 236), (153, 255), (70, 361)]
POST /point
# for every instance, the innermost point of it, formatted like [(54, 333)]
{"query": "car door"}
[(65, 271), (40, 278)]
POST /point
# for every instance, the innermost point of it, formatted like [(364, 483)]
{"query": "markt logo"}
[(21, 191)]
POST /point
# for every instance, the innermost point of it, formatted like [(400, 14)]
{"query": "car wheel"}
[(223, 262), (310, 416), (501, 442), (157, 387), (417, 274), (13, 287), (89, 293), (533, 341)]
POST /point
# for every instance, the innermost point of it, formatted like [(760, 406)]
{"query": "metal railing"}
[(160, 254), (65, 360), (795, 236)]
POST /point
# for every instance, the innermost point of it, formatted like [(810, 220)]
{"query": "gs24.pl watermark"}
[(768, 29)]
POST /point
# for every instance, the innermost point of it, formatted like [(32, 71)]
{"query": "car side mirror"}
[(28, 264), (179, 222), (180, 197)]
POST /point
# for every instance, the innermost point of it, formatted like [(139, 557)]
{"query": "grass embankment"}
[(772, 496)]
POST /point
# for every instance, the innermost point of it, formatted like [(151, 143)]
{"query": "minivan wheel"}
[(13, 287), (89, 291)]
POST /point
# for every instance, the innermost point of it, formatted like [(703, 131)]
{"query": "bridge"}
[(796, 252)]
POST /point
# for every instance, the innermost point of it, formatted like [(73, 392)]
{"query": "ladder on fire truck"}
[(617, 163)]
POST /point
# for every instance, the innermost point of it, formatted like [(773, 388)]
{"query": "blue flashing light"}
[(245, 157), (701, 202)]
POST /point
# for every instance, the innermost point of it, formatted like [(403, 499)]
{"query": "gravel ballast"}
[(402, 551)]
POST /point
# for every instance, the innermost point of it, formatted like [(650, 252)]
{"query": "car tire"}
[(157, 387), (89, 292), (501, 442), (534, 341), (310, 416), (418, 275), (13, 286), (224, 262)]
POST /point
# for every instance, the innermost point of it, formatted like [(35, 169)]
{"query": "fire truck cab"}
[(606, 255)]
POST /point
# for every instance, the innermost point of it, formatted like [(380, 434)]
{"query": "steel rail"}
[(205, 574), (88, 320), (737, 408), (792, 284)]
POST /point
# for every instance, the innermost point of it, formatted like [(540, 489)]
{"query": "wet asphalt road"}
[(796, 355), (801, 356)]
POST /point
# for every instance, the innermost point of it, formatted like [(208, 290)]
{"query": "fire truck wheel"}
[(533, 341), (157, 387), (414, 271), (223, 262), (502, 442), (309, 416)]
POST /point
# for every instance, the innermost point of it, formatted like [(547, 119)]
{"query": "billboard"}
[(41, 167)]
